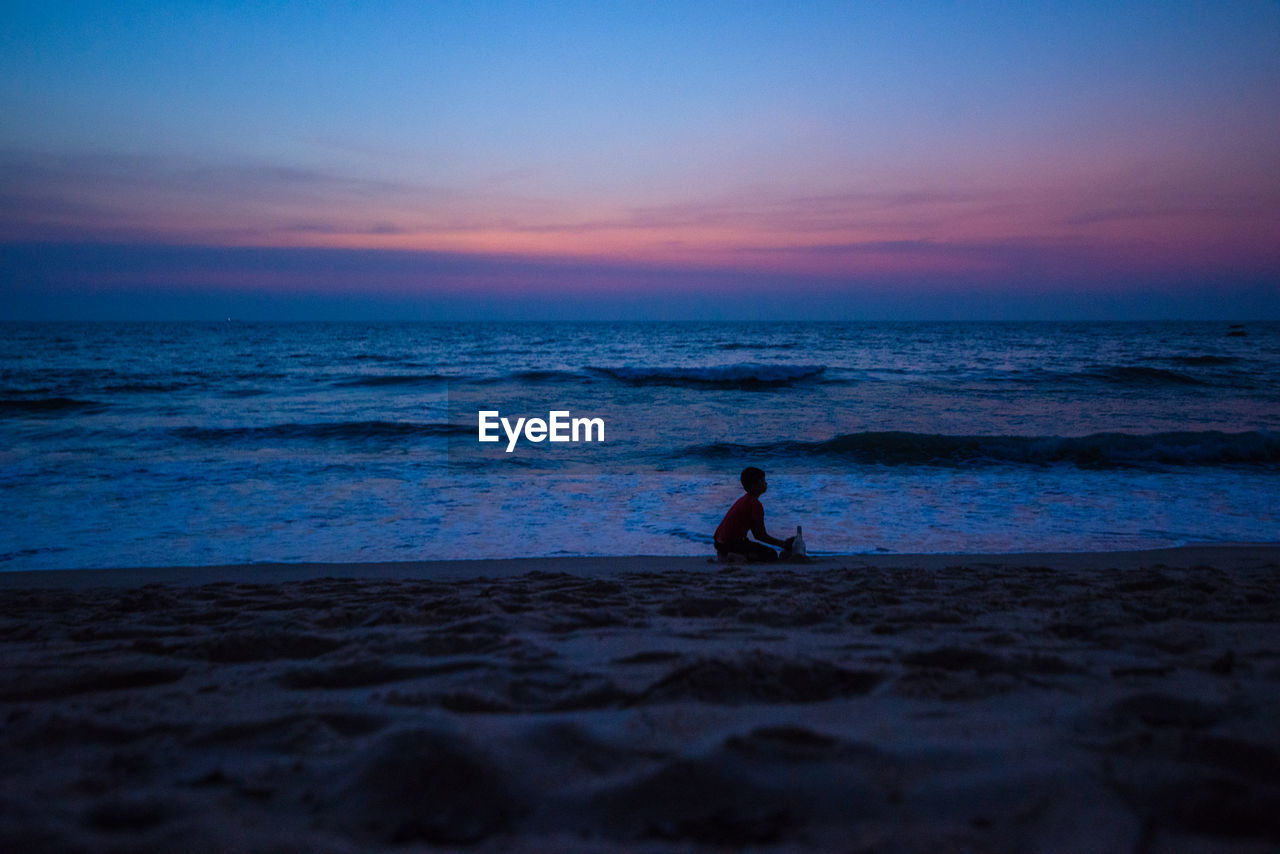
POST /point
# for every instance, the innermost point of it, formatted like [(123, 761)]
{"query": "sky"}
[(640, 160)]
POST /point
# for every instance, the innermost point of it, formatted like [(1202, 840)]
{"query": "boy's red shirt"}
[(740, 519)]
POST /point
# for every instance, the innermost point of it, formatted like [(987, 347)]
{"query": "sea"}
[(183, 444)]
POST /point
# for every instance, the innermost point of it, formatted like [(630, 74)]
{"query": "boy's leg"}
[(750, 549), (759, 551)]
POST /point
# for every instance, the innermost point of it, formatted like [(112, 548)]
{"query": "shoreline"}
[(1225, 556)]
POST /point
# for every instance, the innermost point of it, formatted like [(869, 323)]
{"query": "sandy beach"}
[(1075, 702)]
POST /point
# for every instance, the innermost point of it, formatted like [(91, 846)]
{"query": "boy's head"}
[(753, 480)]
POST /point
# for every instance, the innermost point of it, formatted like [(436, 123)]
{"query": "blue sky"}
[(989, 157)]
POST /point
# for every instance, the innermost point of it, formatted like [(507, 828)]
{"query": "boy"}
[(747, 514)]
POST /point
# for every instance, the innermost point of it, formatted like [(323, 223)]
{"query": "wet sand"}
[(1082, 702)]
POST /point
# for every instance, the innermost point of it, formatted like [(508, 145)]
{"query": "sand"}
[(1089, 702)]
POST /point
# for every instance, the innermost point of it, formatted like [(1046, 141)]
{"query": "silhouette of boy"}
[(747, 515)]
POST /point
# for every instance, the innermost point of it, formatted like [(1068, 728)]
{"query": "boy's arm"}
[(757, 529)]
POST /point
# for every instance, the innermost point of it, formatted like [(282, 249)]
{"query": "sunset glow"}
[(847, 144)]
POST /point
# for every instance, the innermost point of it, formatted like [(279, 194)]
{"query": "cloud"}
[(998, 231), (135, 197)]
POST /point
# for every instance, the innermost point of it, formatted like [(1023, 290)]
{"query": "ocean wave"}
[(532, 377), (1134, 376), (323, 431), (18, 406), (1141, 375), (747, 375), (1099, 450), (380, 380), (1204, 360), (147, 387), (734, 345), (546, 376)]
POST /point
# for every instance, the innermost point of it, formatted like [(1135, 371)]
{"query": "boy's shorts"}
[(750, 549)]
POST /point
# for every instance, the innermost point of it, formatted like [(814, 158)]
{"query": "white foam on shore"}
[(1224, 555)]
